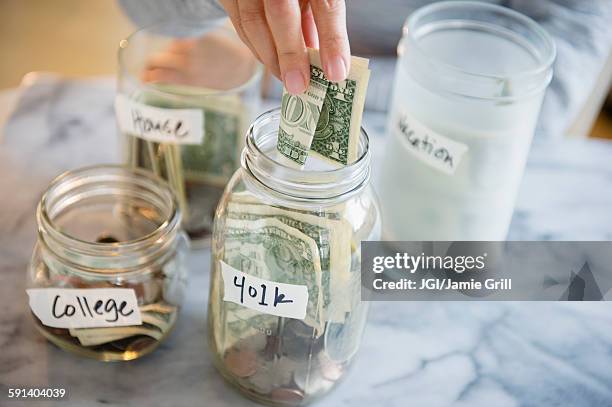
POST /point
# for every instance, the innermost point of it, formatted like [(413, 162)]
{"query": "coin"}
[(312, 380), (263, 380), (329, 369), (287, 395), (107, 239), (299, 340), (140, 344), (241, 363)]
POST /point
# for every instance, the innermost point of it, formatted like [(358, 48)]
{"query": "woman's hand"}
[(278, 32)]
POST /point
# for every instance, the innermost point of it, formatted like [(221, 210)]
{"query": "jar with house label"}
[(108, 274), (184, 102), (285, 316), (469, 84)]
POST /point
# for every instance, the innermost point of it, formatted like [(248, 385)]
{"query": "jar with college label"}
[(108, 274), (285, 316), (185, 99), (469, 84)]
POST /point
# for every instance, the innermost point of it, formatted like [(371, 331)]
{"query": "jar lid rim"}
[(48, 227), (299, 184), (413, 31)]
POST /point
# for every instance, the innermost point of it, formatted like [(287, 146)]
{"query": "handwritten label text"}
[(85, 308), (269, 297), (177, 126), (432, 148)]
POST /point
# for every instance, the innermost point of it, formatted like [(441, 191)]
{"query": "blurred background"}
[(80, 38)]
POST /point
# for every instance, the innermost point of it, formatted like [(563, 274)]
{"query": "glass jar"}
[(285, 234), (183, 105), (469, 84), (107, 233)]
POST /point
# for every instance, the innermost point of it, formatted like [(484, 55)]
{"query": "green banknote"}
[(337, 120), (299, 117), (216, 159), (332, 238), (268, 249)]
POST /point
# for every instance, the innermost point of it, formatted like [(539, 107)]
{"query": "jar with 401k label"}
[(285, 313), (108, 274)]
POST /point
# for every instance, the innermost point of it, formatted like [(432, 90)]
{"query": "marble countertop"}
[(417, 354)]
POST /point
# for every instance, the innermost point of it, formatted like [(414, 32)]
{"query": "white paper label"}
[(177, 126), (268, 297), (85, 308), (434, 149)]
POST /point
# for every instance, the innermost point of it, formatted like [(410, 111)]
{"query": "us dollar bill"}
[(326, 118), (299, 118), (336, 138), (157, 320), (332, 238), (269, 249), (334, 212)]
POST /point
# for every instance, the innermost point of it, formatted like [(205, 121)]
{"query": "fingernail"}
[(336, 69), (294, 82)]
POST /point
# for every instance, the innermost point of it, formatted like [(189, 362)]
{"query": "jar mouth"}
[(487, 18), (186, 91), (318, 185), (78, 204)]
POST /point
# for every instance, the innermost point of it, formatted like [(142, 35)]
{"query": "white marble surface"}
[(413, 354)]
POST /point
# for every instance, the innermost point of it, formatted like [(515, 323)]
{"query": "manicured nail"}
[(294, 82), (336, 69)]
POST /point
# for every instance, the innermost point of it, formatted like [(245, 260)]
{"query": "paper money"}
[(332, 238), (299, 118), (326, 118), (336, 138), (268, 249), (157, 320)]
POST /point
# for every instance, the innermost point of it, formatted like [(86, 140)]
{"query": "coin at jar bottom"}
[(287, 396), (139, 344), (329, 369), (311, 382), (273, 374), (241, 363), (299, 340)]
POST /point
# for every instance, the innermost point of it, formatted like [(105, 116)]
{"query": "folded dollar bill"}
[(326, 118)]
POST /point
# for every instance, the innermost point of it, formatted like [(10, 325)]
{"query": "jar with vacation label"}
[(185, 99), (285, 314), (108, 274), (469, 83)]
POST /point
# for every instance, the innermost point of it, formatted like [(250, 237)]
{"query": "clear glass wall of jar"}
[(184, 103), (112, 227), (299, 227)]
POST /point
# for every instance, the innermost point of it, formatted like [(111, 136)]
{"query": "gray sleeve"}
[(583, 36), (198, 13)]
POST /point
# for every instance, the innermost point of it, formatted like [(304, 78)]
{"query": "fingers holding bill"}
[(284, 18), (254, 23), (278, 32), (309, 29), (330, 20)]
